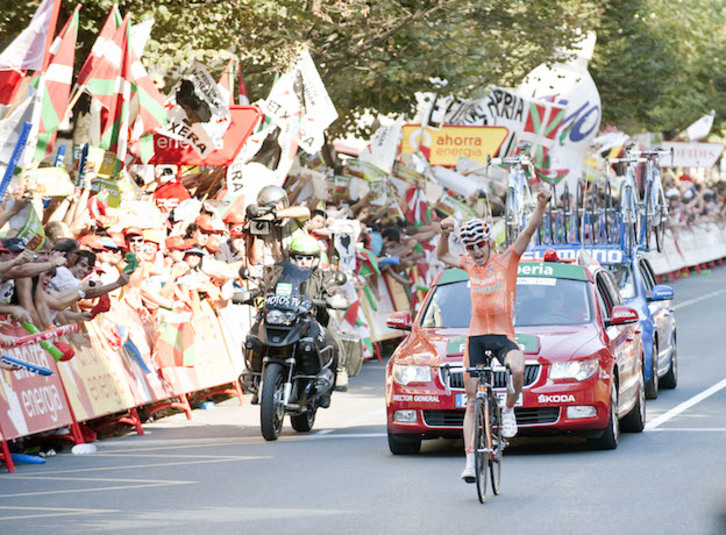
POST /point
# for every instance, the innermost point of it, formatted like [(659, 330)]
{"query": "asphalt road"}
[(216, 473)]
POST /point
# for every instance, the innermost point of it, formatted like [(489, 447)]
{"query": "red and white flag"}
[(147, 111), (103, 47), (108, 84), (226, 82), (10, 83), (58, 80), (28, 50)]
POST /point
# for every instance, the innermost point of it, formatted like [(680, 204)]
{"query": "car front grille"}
[(455, 418), (531, 373)]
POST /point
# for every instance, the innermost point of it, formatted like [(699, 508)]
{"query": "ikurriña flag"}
[(58, 78)]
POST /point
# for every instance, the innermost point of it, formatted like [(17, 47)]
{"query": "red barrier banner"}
[(95, 379), (207, 352), (132, 336), (30, 403), (235, 322)]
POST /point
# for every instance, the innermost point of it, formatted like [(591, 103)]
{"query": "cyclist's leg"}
[(469, 415), (470, 387), (514, 358), (508, 353)]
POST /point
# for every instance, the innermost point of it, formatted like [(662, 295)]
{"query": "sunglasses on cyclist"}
[(481, 245), (307, 257), (135, 239)]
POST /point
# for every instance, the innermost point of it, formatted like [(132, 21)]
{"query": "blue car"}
[(638, 289)]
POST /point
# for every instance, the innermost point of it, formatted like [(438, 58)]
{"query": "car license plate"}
[(460, 399)]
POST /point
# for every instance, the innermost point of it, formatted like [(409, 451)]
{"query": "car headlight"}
[(575, 369), (405, 375), (278, 317)]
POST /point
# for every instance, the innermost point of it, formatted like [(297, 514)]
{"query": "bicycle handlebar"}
[(477, 370), (655, 153), (510, 160), (628, 160)]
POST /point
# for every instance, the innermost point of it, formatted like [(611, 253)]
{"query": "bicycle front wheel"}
[(481, 451), (511, 214), (497, 444)]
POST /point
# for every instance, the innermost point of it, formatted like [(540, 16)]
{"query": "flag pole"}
[(14, 159)]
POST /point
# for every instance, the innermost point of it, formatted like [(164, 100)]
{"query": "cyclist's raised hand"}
[(447, 225), (544, 193)]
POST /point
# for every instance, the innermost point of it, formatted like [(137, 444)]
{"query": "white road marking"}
[(698, 299), (692, 429), (93, 489), (155, 465), (678, 409), (52, 511)]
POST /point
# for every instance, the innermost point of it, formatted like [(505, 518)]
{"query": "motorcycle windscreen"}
[(283, 285)]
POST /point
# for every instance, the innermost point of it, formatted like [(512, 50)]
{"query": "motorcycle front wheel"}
[(272, 410), (302, 423)]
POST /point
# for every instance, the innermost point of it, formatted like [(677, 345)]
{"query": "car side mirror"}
[(242, 297), (340, 278), (661, 292), (403, 321), (244, 272), (622, 315)]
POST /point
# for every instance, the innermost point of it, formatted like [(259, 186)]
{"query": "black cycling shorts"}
[(498, 344)]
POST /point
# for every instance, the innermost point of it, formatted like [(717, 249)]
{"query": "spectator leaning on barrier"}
[(233, 249)]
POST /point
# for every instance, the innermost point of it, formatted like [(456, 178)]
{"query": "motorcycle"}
[(290, 357)]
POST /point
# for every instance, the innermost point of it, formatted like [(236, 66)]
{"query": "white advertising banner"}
[(692, 154), (383, 147), (200, 114)]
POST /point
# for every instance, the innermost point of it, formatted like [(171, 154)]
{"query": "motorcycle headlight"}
[(275, 317), (278, 317), (576, 369), (405, 375)]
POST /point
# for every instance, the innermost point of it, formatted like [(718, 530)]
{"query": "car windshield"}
[(540, 301), (623, 274)]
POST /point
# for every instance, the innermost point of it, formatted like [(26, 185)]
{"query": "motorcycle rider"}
[(286, 222), (305, 252)]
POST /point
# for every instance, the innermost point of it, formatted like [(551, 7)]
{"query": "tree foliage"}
[(653, 73), (659, 65)]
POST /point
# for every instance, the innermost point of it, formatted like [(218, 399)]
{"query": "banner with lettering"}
[(199, 114), (95, 381), (30, 403)]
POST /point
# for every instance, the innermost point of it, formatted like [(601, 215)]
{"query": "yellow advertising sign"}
[(444, 146)]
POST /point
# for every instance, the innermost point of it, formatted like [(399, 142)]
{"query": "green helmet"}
[(305, 245)]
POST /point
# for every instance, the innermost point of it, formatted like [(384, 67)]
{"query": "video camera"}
[(260, 227)]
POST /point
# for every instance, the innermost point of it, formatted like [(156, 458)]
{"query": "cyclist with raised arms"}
[(493, 283)]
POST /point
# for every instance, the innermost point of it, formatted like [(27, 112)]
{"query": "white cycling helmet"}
[(474, 231)]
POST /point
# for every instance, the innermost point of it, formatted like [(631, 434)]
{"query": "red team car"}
[(584, 358)]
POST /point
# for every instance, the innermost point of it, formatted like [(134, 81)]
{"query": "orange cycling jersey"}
[(493, 290)]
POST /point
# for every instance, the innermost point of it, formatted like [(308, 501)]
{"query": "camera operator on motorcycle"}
[(273, 224), (305, 252)]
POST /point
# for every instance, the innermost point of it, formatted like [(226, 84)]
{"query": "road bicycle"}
[(519, 195), (655, 209), (631, 215), (557, 226), (489, 443)]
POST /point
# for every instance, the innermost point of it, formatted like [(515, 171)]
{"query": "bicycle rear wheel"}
[(511, 225), (481, 451), (648, 218), (495, 427)]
